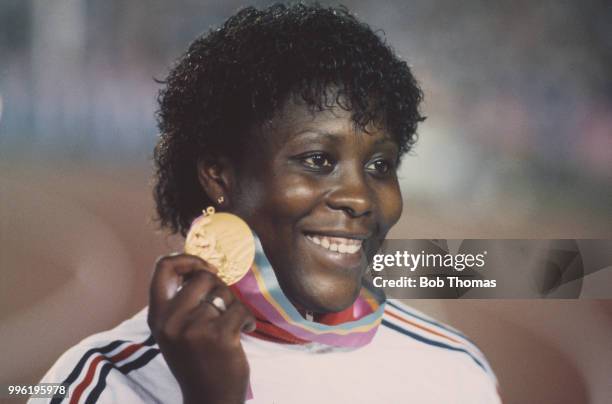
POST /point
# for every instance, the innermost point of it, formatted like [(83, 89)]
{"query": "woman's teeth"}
[(337, 244)]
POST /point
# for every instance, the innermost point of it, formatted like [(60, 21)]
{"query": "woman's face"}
[(321, 195)]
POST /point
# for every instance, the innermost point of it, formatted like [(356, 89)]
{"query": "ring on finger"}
[(218, 303)]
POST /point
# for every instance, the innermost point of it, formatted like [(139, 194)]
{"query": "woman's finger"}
[(222, 292), (211, 304), (170, 273), (237, 318), (195, 289)]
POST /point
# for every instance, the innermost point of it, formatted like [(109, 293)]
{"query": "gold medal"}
[(223, 240)]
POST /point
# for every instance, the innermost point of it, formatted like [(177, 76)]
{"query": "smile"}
[(339, 245)]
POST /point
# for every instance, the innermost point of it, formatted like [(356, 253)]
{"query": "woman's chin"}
[(328, 299), (318, 289)]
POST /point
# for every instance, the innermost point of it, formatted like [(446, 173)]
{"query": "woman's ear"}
[(216, 176)]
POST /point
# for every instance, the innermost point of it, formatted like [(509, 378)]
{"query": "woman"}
[(294, 119)]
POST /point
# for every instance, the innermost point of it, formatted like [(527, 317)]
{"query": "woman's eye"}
[(380, 166), (317, 161)]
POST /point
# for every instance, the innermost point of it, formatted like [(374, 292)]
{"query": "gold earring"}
[(220, 200)]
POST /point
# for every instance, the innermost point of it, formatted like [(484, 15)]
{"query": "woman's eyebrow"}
[(384, 140), (335, 137), (319, 134)]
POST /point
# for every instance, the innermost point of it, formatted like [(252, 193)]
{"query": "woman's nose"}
[(351, 194)]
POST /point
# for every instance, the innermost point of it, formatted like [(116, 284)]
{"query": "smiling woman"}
[(293, 118)]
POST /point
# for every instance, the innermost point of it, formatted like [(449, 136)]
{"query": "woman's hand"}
[(200, 342)]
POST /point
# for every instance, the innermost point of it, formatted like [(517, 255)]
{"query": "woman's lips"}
[(340, 245), (334, 252)]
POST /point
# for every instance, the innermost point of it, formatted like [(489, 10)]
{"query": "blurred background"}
[(517, 144)]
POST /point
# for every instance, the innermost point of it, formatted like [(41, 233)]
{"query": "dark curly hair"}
[(234, 78)]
